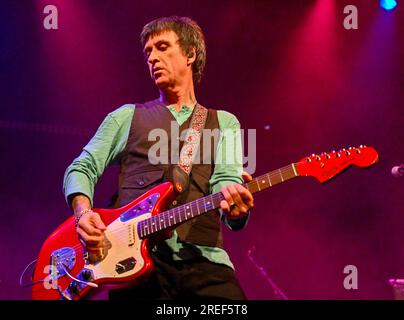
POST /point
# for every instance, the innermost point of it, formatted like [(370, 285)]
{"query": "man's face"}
[(167, 62)]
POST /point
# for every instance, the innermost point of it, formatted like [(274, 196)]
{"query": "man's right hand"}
[(90, 229)]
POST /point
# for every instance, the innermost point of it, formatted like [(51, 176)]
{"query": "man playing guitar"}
[(192, 263)]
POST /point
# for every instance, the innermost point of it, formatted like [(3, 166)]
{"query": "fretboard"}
[(193, 209)]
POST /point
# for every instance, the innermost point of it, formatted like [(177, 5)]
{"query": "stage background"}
[(288, 69)]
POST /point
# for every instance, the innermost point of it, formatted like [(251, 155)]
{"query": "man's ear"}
[(191, 56)]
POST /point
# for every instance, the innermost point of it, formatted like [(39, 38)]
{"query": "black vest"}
[(138, 174)]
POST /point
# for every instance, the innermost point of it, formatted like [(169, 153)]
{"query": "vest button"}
[(140, 183)]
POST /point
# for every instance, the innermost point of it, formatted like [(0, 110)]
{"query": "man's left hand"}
[(239, 200)]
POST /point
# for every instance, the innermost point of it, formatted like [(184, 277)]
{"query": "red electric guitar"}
[(64, 270)]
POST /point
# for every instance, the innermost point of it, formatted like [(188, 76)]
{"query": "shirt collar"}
[(184, 108)]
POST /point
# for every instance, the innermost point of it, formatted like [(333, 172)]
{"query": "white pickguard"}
[(125, 243)]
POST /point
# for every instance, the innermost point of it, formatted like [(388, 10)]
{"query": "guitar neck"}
[(193, 209), (272, 178)]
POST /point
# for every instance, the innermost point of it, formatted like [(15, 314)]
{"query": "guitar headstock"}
[(325, 166)]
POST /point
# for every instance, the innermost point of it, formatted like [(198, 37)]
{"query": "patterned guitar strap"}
[(189, 149)]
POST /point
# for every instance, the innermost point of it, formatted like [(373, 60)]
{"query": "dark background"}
[(288, 69)]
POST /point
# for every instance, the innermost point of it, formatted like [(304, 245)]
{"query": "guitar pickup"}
[(125, 265)]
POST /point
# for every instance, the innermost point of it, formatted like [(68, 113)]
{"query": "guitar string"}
[(275, 173), (285, 169)]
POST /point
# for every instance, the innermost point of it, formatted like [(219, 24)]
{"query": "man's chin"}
[(161, 83)]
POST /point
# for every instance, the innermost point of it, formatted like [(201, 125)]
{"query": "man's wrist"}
[(80, 214)]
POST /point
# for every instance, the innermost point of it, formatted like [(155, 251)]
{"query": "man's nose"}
[(153, 57)]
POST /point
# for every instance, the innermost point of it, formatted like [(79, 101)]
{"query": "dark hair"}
[(189, 34)]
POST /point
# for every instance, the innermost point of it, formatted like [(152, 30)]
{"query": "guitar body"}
[(124, 262)]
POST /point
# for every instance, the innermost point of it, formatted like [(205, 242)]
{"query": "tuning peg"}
[(338, 155), (347, 153), (327, 156), (358, 151), (318, 158), (308, 160)]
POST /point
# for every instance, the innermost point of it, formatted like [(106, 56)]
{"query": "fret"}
[(170, 217), (269, 180), (218, 199), (201, 205), (286, 174), (264, 182), (152, 224), (258, 184), (175, 222), (280, 174), (197, 207), (140, 229), (164, 219), (294, 169), (146, 228), (180, 210), (207, 205), (161, 222), (179, 213), (183, 213), (192, 205), (187, 211)]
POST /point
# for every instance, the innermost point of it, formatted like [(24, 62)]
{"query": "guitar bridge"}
[(64, 258)]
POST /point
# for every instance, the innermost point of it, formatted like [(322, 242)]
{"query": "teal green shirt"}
[(106, 147)]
